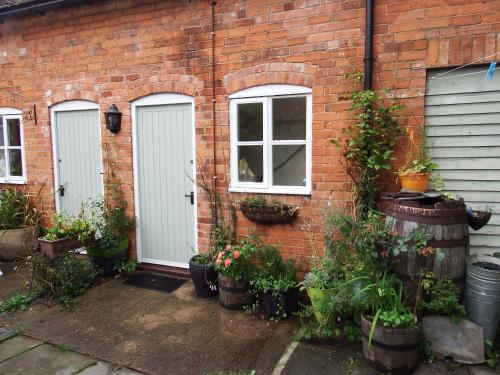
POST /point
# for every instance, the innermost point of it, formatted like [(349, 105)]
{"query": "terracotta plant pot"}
[(17, 243), (415, 181), (393, 350)]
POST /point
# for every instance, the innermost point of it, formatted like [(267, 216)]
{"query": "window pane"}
[(14, 132), (289, 118), (16, 165), (250, 163), (250, 122), (1, 132), (2, 163), (289, 165)]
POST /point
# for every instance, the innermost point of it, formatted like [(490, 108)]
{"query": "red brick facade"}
[(121, 50)]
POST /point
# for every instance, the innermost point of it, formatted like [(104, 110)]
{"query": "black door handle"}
[(190, 195), (61, 190)]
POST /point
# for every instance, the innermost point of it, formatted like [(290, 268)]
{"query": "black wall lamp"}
[(113, 119)]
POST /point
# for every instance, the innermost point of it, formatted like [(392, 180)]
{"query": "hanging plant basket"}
[(269, 213), (478, 218)]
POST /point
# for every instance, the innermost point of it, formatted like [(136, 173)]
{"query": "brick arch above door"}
[(299, 74)]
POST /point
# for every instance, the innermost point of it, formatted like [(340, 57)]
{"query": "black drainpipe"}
[(369, 44)]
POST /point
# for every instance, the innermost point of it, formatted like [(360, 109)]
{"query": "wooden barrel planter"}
[(234, 294), (393, 350), (445, 222)]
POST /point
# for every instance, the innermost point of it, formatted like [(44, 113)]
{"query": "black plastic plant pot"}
[(204, 279), (280, 305), (107, 265)]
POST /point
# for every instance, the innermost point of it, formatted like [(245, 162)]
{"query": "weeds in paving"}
[(63, 348), (16, 302)]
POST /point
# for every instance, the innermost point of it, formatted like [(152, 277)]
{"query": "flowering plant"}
[(235, 260)]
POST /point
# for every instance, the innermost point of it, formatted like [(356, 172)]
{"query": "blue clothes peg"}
[(491, 70)]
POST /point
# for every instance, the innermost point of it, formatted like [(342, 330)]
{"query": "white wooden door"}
[(164, 182), (77, 158), (462, 119)]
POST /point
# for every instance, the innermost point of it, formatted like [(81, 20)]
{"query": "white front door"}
[(164, 180), (77, 155)]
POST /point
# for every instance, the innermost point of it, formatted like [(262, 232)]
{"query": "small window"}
[(12, 168), (271, 140)]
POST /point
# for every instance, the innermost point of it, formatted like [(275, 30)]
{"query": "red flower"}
[(227, 262), (228, 247), (236, 254)]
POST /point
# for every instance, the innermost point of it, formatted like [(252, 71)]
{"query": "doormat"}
[(155, 282)]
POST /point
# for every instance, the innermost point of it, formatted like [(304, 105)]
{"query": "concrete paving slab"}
[(45, 360), (159, 333), (16, 345), (106, 368), (6, 334)]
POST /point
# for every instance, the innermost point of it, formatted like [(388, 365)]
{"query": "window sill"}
[(13, 182), (273, 190)]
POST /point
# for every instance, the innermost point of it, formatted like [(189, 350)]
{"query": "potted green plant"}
[(416, 173), (320, 284), (275, 283), (391, 330), (20, 214), (111, 245), (67, 233), (235, 268)]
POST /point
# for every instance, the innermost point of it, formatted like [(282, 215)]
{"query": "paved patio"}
[(119, 329)]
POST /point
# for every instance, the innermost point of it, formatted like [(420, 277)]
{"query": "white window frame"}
[(265, 94), (11, 113)]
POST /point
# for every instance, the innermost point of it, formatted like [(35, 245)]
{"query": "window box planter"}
[(393, 350), (204, 278), (54, 249), (107, 264), (17, 243), (269, 213)]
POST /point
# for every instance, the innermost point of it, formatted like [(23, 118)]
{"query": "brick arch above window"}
[(298, 74)]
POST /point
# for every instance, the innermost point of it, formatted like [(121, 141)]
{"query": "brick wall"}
[(117, 51)]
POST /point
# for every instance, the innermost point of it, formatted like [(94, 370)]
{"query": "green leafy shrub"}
[(68, 278), (16, 302), (274, 274), (126, 265), (442, 297), (19, 209)]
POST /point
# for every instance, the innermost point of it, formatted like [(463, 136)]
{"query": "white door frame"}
[(152, 100), (68, 106)]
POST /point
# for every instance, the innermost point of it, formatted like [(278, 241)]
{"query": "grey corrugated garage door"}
[(462, 118)]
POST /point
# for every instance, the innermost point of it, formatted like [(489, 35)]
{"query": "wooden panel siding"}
[(462, 119)]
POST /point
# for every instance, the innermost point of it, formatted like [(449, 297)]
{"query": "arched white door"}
[(164, 171), (76, 142)]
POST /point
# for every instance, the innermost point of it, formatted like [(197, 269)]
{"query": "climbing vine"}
[(368, 144)]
